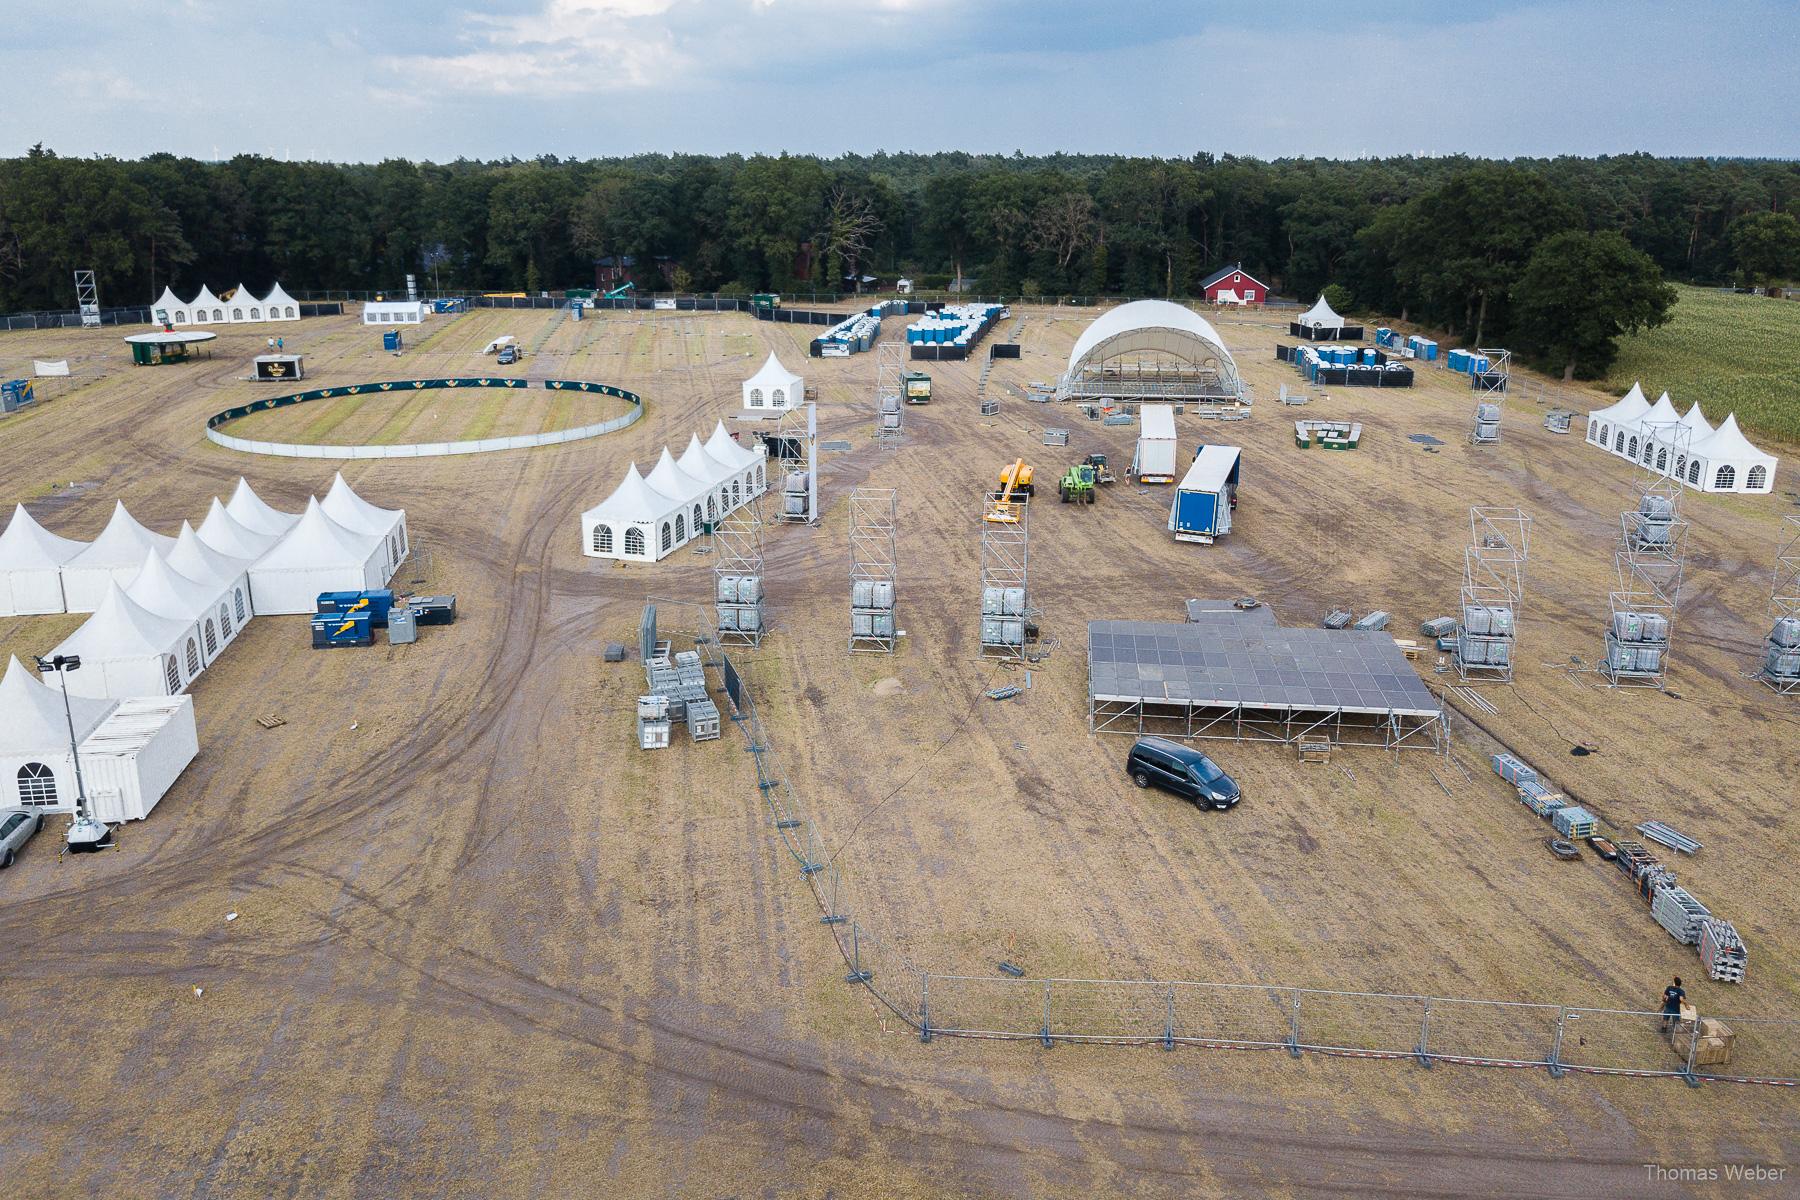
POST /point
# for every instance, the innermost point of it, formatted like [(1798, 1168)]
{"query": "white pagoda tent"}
[(746, 464), (127, 650), (223, 533), (636, 523), (31, 561), (248, 510), (773, 390), (230, 575), (1321, 321), (316, 555), (695, 461), (206, 309), (116, 555), (132, 751), (693, 491), (171, 306), (1727, 462), (1610, 427), (350, 510), (279, 306), (161, 589)]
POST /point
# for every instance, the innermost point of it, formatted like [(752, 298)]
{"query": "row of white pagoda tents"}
[(131, 750), (242, 307), (161, 618), (1681, 446), (648, 517)]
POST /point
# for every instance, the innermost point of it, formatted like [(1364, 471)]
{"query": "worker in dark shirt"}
[(1673, 995)]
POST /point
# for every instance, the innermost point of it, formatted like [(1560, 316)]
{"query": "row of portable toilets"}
[(872, 608), (1003, 616), (1468, 362), (1422, 348), (739, 603), (954, 324)]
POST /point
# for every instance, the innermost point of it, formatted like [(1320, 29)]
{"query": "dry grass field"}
[(485, 947)]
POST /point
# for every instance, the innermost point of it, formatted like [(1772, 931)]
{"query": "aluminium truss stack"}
[(1493, 589), (1484, 430), (1648, 563), (796, 439), (890, 416), (1676, 910), (1005, 606), (1722, 951), (1780, 665), (738, 575), (874, 569)]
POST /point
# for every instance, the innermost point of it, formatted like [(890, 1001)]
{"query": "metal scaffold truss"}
[(738, 575), (1648, 563), (87, 299), (890, 416), (874, 569), (1780, 665), (1493, 593), (1498, 373), (796, 441), (1007, 619)]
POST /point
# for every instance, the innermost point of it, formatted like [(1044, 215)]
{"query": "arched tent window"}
[(256, 314), (180, 317), (668, 540), (1632, 452), (218, 314), (1694, 472), (212, 639), (735, 500), (1647, 446), (634, 541), (290, 312), (225, 621), (171, 674), (1662, 458), (680, 529), (1725, 478), (759, 477), (1757, 479), (239, 597), (778, 398), (712, 513), (237, 314), (193, 659), (724, 500), (696, 520), (1619, 444), (1680, 465), (756, 398), (603, 539), (37, 785)]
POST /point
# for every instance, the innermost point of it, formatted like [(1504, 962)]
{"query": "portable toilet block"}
[(402, 626), (390, 340)]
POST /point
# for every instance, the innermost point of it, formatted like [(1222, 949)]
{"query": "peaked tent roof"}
[(201, 563), (207, 298), (350, 510), (168, 301), (163, 590), (26, 545), (1233, 269), (723, 448), (242, 296), (771, 372), (1696, 420), (1661, 413), (318, 541), (278, 296), (224, 533), (1729, 442), (123, 628), (672, 481), (1321, 316), (697, 462), (633, 500), (34, 719), (122, 543), (247, 509), (1627, 408)]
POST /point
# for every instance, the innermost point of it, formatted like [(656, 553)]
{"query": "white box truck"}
[(1154, 461), (1207, 495)]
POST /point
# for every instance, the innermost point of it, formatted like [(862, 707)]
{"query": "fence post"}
[(857, 974), (925, 1006), (1293, 1042), (832, 915), (1044, 1033), (1423, 1053), (1687, 1072), (1169, 1021), (1555, 1060)]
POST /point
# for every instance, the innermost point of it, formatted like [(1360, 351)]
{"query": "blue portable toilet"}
[(390, 340)]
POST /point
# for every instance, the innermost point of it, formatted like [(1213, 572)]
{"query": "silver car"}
[(17, 826)]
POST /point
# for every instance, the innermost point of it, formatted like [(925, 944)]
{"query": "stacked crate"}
[(1679, 913), (1722, 950), (1534, 795), (1513, 770), (1573, 821)]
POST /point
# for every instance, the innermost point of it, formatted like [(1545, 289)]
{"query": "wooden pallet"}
[(271, 721), (1313, 750)]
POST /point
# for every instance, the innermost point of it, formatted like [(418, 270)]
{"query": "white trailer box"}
[(1154, 461), (134, 758)]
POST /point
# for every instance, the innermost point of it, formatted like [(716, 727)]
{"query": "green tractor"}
[(1077, 484)]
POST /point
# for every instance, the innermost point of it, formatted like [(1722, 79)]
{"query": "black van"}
[(1182, 771)]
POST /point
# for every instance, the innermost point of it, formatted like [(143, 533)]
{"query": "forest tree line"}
[(1554, 256)]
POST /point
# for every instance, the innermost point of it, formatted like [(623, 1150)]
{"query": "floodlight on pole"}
[(85, 833)]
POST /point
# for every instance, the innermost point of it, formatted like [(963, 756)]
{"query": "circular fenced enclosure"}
[(465, 415)]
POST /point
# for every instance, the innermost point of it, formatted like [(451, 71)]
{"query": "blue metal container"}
[(375, 602), (341, 629), (390, 340)]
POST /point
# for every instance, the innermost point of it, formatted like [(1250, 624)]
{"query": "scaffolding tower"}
[(1498, 373), (1007, 618), (890, 417), (1648, 563), (738, 575), (795, 445), (874, 567), (1493, 592), (1780, 665), (87, 299)]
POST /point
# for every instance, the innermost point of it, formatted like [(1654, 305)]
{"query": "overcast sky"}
[(365, 80)]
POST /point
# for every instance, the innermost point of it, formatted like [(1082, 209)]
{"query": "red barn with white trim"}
[(1234, 285)]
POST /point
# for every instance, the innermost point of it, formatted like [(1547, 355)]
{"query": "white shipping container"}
[(1156, 454)]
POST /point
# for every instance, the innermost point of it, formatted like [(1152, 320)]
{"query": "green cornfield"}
[(1731, 353)]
